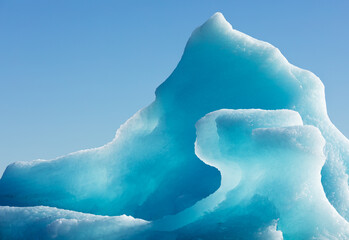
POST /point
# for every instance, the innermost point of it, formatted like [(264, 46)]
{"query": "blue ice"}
[(236, 145)]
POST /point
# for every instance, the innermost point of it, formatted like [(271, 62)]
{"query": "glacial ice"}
[(236, 145), (51, 223)]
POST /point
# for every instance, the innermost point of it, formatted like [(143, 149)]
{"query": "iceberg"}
[(236, 145)]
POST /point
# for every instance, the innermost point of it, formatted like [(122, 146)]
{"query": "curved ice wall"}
[(152, 171)]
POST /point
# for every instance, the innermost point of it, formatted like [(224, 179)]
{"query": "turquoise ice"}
[(237, 144)]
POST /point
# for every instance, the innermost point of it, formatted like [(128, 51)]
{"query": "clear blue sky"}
[(72, 71)]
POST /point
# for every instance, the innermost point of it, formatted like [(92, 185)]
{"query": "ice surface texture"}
[(203, 161)]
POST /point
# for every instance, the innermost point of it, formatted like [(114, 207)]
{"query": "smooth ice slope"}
[(264, 184)]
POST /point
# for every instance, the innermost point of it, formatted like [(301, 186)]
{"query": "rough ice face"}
[(46, 223), (252, 173), (272, 155)]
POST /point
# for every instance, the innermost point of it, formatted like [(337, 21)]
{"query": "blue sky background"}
[(72, 71)]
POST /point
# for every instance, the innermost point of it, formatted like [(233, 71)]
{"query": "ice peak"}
[(215, 27), (218, 17), (217, 20)]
